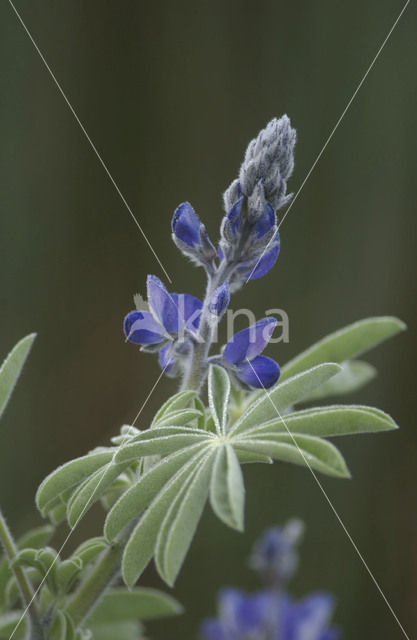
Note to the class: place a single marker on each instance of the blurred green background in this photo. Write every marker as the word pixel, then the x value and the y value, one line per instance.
pixel 171 93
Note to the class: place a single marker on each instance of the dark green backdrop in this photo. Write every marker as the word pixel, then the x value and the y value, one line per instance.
pixel 171 92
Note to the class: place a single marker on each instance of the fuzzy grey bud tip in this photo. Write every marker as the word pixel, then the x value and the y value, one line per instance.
pixel 270 158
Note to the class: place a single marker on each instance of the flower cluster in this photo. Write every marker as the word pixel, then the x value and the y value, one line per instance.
pixel 180 327
pixel 272 614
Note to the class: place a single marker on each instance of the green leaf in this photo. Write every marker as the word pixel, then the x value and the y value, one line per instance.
pixel 34 538
pixel 12 367
pixel 67 572
pixel 8 623
pixel 182 527
pixel 227 491
pixel 69 475
pixel 131 504
pixel 175 403
pixel 88 551
pixel 161 441
pixel 141 603
pixel 283 395
pixel 128 630
pixel 246 457
pixel 141 544
pixel 333 420
pixel 91 490
pixel 312 452
pixel 345 344
pixel 354 375
pixel 218 395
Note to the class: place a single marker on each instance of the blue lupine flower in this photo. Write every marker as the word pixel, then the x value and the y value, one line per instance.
pixel 190 235
pixel 171 319
pixel 241 355
pixel 270 615
pixel 274 554
pixel 219 300
pixel 186 225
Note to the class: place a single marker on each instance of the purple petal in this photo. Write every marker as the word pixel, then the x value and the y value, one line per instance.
pixel 167 361
pixel 248 343
pixel 261 372
pixel 212 629
pixel 266 263
pixel 235 215
pixel 239 613
pixel 188 309
pixel 140 327
pixel 162 305
pixel 312 615
pixel 267 221
pixel 220 299
pixel 186 225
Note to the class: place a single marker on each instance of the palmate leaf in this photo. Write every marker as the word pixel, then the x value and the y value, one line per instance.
pixel 345 344
pixel 12 367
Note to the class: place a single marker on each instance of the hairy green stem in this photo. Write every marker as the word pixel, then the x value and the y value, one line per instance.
pixel 90 591
pixel 25 588
pixel 198 357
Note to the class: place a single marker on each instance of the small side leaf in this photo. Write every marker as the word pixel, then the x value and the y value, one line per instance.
pixel 345 344
pixel 218 395
pixel 12 367
pixel 227 490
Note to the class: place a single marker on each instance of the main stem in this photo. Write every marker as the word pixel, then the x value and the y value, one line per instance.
pixel 25 588
pixel 92 588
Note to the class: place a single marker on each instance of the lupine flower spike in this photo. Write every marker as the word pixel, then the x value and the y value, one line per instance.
pixel 271 613
pixel 181 328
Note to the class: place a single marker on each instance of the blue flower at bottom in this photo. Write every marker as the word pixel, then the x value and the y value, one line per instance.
pixel 241 355
pixel 170 319
pixel 270 615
